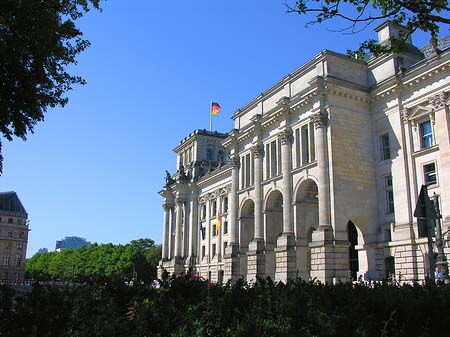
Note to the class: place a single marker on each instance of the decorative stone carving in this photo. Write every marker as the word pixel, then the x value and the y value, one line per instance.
pixel 179 201
pixel 285 136
pixel 235 162
pixel 320 119
pixel 438 100
pixel 257 151
pixel 405 115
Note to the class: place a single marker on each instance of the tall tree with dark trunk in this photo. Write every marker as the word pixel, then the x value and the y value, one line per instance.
pixel 38 41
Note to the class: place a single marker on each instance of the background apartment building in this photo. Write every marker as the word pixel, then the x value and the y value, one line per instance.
pixel 13 238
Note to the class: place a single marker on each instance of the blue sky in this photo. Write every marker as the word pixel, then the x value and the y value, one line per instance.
pixel 94 168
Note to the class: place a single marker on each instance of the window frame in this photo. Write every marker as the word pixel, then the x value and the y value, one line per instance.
pixel 429 135
pixel 425 174
pixel 389 194
pixel 385 147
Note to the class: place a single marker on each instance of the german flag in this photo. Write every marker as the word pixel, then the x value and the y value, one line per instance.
pixel 215 108
pixel 218 224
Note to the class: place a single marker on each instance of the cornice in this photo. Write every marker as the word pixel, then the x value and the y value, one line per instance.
pixel 291 77
pixel 415 77
pixel 215 176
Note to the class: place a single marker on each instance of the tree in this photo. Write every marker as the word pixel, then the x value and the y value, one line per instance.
pixel 423 15
pixel 38 41
pixel 137 259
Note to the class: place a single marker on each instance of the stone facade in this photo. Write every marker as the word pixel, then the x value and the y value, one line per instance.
pixel 319 176
pixel 13 238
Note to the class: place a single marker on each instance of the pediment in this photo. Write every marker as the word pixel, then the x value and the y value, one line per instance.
pixel 419 112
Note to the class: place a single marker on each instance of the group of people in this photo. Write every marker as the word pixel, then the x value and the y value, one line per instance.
pixel 438 275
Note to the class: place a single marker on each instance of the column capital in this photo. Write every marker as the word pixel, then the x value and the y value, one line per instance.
pixel 257 151
pixel 179 201
pixel 235 162
pixel 285 136
pixel 320 119
pixel 438 100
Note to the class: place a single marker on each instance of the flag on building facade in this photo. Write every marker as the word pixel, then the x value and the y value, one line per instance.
pixel 202 231
pixel 215 108
pixel 219 221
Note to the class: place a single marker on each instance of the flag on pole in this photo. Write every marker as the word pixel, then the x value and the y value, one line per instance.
pixel 202 231
pixel 215 108
pixel 219 221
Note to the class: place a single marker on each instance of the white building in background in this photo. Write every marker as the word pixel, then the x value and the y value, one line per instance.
pixel 319 176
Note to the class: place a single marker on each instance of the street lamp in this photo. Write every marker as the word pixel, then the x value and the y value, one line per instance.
pixel 441 260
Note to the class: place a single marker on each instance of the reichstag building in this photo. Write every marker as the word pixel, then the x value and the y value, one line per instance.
pixel 320 175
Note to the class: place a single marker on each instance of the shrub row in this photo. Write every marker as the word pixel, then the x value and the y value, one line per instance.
pixel 191 307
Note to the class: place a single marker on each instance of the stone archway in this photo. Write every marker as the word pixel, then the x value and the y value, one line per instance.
pixel 246 232
pixel 306 221
pixel 273 228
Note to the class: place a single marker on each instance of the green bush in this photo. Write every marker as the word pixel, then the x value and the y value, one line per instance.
pixel 192 307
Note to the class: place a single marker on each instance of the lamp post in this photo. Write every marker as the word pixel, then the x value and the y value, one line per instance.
pixel 441 260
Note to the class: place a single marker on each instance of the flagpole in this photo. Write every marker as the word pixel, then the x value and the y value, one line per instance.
pixel 210 116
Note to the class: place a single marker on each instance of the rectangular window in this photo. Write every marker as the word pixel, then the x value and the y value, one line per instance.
pixel 279 161
pixel 312 146
pixel 247 170
pixel 225 245
pixel 426 134
pixel 225 227
pixel 225 205
pixel 273 159
pixel 214 249
pixel 429 174
pixel 242 172
pixel 297 148
pixel 267 156
pixel 203 212
pixel 18 260
pixel 19 246
pixel 8 245
pixel 10 234
pixel 389 194
pixel 203 252
pixel 10 220
pixel 384 147
pixel 6 260
pixel 213 208
pixel 305 145
pixel 214 229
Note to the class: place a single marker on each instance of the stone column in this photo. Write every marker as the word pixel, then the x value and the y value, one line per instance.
pixel 231 258
pixel 255 254
pixel 193 231
pixel 165 241
pixel 320 120
pixel 285 258
pixel 325 254
pixel 171 230
pixel 178 220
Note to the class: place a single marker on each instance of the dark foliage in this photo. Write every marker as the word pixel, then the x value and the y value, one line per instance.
pixel 38 41
pixel 192 307
pixel 427 16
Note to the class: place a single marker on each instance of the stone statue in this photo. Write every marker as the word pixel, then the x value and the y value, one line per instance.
pixel 169 179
